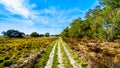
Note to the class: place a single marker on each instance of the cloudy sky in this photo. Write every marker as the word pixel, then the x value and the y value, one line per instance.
pixel 41 15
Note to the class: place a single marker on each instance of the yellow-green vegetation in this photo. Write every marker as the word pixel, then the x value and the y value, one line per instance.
pixel 55 59
pixel 65 59
pixel 101 22
pixel 12 49
pixel 44 57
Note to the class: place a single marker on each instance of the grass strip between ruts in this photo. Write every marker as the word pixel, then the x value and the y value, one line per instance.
pixel 55 59
pixel 44 56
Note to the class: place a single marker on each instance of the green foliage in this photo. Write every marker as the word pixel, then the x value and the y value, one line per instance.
pixel 65 32
pixel 75 29
pixel 102 22
pixel 41 35
pixel 4 33
pixel 44 57
pixel 65 59
pixel 47 34
pixel 34 34
pixel 55 59
pixel 113 3
pixel 13 49
pixel 13 33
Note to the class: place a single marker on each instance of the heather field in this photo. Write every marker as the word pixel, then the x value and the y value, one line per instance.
pixel 22 52
pixel 59 33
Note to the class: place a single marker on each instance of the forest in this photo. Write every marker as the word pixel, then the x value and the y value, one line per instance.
pixel 101 22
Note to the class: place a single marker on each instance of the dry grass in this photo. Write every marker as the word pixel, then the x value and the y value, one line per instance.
pixel 100 54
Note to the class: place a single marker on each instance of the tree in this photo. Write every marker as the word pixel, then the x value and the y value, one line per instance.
pixel 47 34
pixel 41 35
pixel 14 33
pixel 34 34
pixel 4 33
pixel 75 29
pixel 111 13
pixel 65 32
pixel 101 22
pixel 113 3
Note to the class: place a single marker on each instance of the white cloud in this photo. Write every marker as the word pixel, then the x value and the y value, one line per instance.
pixel 22 8
pixel 16 7
pixel 44 16
pixel 53 17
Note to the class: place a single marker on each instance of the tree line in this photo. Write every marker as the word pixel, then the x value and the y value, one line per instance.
pixel 101 22
pixel 11 33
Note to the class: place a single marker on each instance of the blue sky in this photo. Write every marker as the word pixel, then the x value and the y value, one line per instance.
pixel 41 15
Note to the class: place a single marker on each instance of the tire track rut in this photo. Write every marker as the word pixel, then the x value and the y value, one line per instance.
pixel 72 61
pixel 60 65
pixel 50 60
pixel 60 43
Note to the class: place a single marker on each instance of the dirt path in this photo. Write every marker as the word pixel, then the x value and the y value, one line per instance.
pixel 60 65
pixel 50 60
pixel 72 61
pixel 60 56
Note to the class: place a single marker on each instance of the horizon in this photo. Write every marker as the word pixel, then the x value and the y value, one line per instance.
pixel 41 16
